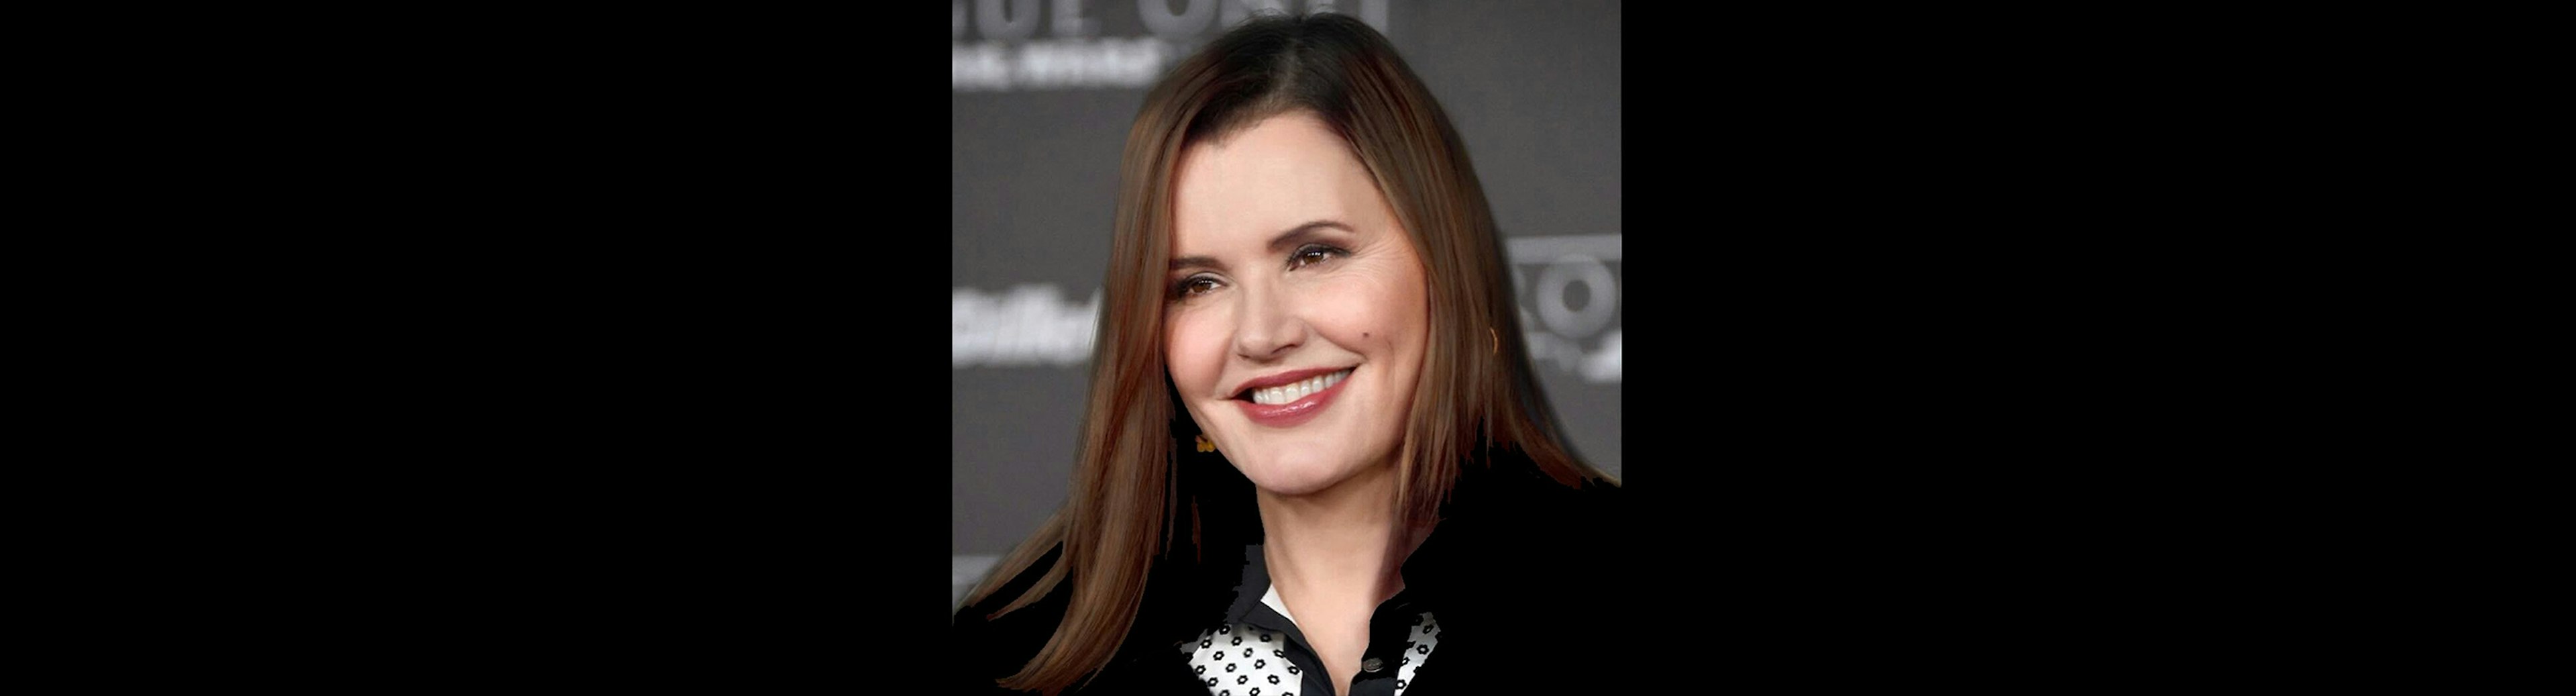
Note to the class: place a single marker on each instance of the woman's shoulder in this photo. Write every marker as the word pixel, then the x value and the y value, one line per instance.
pixel 1538 525
pixel 1517 511
pixel 1521 490
pixel 983 647
pixel 980 610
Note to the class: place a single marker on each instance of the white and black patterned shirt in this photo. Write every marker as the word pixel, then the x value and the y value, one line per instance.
pixel 1259 651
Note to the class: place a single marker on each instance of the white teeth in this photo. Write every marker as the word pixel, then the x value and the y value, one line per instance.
pixel 1291 392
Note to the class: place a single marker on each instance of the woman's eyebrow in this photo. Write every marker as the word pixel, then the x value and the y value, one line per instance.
pixel 1291 238
pixel 1302 233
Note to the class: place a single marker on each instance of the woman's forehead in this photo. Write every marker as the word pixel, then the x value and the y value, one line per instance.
pixel 1281 172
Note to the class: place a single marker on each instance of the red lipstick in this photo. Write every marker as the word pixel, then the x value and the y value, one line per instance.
pixel 1294 413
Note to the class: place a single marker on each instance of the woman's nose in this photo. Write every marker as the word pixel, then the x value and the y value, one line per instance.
pixel 1269 325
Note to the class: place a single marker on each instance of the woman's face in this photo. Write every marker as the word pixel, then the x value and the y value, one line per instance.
pixel 1298 309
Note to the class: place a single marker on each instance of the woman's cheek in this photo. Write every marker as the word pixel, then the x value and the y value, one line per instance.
pixel 1178 355
pixel 1359 317
pixel 1195 353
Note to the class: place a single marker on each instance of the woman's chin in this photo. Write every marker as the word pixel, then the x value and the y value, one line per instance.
pixel 1295 478
pixel 1277 484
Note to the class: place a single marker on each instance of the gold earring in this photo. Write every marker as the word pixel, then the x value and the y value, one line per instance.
pixel 1498 340
pixel 1205 445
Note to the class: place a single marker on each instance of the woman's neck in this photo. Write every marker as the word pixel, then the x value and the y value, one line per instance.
pixel 1337 545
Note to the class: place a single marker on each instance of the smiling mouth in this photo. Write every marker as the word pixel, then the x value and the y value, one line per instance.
pixel 1288 393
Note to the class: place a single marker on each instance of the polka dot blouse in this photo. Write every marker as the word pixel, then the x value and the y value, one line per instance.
pixel 1260 652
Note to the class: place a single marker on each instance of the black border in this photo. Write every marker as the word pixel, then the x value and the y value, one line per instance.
pixel 1966 383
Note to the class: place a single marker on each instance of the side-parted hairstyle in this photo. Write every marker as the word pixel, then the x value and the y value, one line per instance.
pixel 1477 396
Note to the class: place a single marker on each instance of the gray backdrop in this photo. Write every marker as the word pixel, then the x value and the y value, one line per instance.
pixel 1043 91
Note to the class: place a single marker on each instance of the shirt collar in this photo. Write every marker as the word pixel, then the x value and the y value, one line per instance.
pixel 1264 609
pixel 1475 527
pixel 1256 600
pixel 1271 599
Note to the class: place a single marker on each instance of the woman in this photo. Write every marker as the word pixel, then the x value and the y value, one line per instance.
pixel 1315 459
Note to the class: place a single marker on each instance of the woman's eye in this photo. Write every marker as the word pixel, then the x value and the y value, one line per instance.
pixel 1311 255
pixel 1193 287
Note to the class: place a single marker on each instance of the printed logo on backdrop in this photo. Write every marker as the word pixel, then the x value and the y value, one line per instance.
pixel 1569 300
pixel 1024 45
pixel 1570 317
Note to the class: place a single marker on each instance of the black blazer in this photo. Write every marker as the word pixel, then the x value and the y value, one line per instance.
pixel 1538 586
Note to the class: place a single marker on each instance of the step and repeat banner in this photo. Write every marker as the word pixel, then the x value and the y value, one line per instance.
pixel 1042 94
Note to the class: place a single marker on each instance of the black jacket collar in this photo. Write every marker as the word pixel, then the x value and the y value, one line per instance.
pixel 1496 521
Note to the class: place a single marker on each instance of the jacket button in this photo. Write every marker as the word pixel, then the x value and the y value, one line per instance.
pixel 1372 665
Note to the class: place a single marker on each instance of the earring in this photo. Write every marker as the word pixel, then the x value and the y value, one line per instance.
pixel 1498 340
pixel 1205 445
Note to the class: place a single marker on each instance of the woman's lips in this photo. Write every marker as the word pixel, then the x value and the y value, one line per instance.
pixel 1294 413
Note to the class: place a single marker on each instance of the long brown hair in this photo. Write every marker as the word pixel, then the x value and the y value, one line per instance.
pixel 1476 396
